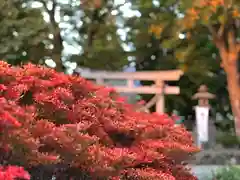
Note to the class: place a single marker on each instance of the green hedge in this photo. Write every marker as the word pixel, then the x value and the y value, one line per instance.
pixel 227 173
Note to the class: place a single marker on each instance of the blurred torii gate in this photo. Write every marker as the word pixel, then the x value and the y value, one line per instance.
pixel 159 88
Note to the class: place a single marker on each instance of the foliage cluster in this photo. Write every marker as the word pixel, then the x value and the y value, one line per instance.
pixel 186 34
pixel 227 173
pixel 228 139
pixel 67 125
pixel 96 32
pixel 13 172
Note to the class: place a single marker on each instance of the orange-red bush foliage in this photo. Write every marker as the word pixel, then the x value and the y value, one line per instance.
pixel 13 172
pixel 53 118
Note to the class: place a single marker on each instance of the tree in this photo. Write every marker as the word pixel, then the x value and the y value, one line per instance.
pixel 64 126
pixel 87 26
pixel 151 52
pixel 98 37
pixel 220 20
pixel 22 33
pixel 50 8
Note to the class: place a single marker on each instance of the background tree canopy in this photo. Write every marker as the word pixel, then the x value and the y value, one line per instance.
pixel 158 45
pixel 110 34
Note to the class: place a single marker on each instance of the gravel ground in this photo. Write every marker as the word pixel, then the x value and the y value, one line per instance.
pixel 204 172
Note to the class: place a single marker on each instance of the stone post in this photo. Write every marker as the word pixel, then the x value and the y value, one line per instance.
pixel 202 114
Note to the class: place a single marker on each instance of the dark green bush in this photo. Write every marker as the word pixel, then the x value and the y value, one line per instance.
pixel 228 139
pixel 227 173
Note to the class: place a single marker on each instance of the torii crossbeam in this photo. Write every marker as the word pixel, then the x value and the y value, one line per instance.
pixel 159 77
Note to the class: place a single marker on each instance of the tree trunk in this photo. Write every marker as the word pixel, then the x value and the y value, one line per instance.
pixel 56 57
pixel 229 52
pixel 57 51
pixel 233 90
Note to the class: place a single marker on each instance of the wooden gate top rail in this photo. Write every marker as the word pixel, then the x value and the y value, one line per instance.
pixel 148 89
pixel 169 75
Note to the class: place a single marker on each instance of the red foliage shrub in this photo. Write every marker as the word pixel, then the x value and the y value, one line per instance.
pixel 13 172
pixel 51 118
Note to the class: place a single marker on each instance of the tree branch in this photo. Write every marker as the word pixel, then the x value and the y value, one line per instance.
pixel 214 34
pixel 233 48
pixel 44 3
pixel 222 27
pixel 218 40
pixel 231 42
pixel 238 47
pixel 51 12
pixel 212 30
pixel 221 30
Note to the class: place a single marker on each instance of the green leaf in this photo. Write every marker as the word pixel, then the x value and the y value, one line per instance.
pixel 185 4
pixel 167 2
pixel 170 43
pixel 222 19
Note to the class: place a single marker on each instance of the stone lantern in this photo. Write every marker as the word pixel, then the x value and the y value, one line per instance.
pixel 203 96
pixel 202 114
